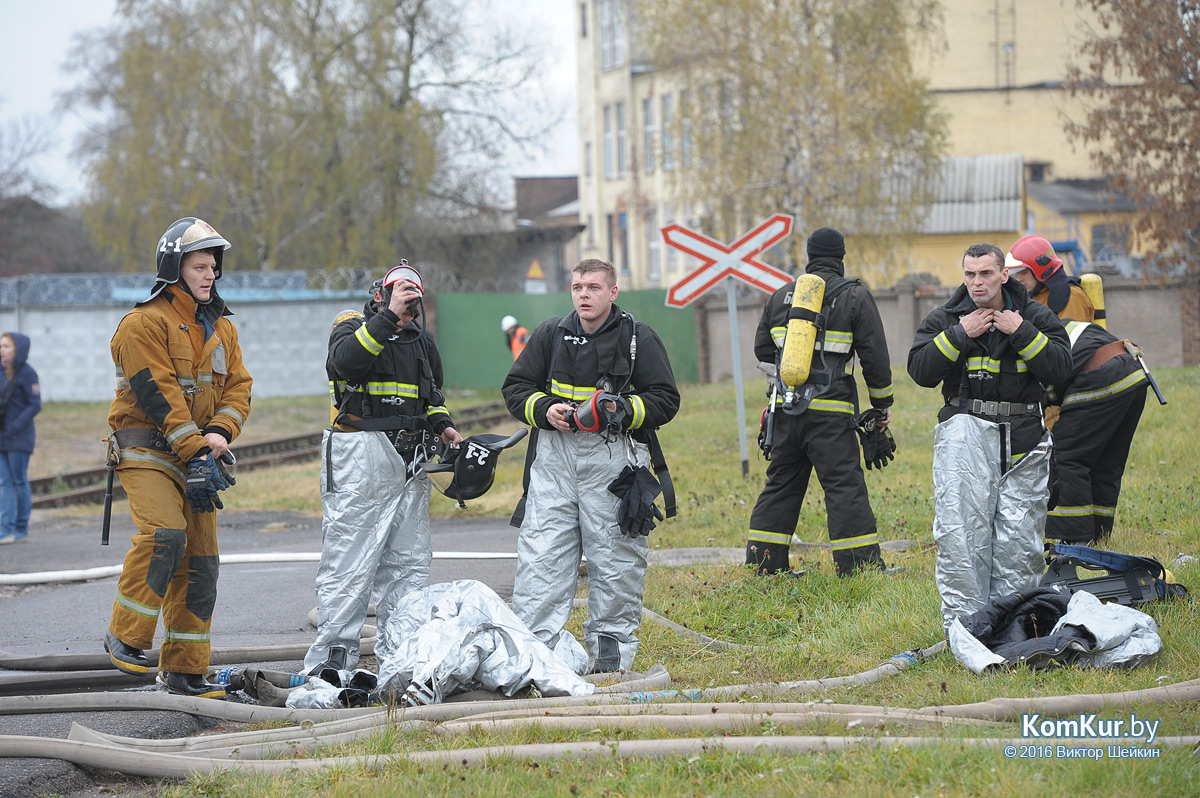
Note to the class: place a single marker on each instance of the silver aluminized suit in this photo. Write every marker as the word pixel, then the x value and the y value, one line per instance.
pixel 991 456
pixel 569 510
pixel 375 503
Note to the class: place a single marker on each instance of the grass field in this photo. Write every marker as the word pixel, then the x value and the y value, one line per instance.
pixel 815 627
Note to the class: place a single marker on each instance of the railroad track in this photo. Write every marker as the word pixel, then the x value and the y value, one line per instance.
pixel 87 485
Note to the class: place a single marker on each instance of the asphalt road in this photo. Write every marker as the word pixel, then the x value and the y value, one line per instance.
pixel 258 604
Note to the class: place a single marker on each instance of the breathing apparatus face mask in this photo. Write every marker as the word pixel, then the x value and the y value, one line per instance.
pixel 602 412
pixel 383 288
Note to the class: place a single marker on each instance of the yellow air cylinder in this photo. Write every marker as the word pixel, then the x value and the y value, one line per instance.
pixel 796 358
pixel 1093 286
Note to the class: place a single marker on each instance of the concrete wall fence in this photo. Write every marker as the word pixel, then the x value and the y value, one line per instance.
pixel 285 331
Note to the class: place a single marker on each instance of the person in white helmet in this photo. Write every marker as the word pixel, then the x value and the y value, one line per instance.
pixel 515 336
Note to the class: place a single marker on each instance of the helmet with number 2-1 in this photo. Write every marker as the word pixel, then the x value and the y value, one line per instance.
pixel 468 470
pixel 185 235
pixel 1036 254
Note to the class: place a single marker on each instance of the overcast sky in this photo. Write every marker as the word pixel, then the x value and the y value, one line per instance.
pixel 36 34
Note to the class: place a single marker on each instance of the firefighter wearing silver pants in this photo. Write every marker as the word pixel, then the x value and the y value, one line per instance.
pixel 570 513
pixel 376 540
pixel 989 512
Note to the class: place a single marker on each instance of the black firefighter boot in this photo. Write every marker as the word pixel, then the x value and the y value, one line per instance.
pixel 125 658
pixel 190 684
pixel 608 655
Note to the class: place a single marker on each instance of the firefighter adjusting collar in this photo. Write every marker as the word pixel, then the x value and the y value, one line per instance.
pixel 185 235
pixel 1036 254
pixel 468 470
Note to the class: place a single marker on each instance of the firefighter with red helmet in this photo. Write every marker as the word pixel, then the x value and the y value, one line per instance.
pixel 1033 262
pixel 1100 404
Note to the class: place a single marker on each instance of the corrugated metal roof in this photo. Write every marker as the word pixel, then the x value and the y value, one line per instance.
pixel 978 194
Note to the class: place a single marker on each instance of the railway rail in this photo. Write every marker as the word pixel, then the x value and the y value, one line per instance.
pixel 87 485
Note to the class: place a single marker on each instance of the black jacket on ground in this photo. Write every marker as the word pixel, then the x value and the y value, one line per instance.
pixel 994 366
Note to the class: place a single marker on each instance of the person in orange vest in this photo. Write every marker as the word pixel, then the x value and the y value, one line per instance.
pixel 515 335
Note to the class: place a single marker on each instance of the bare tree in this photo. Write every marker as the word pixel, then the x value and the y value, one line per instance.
pixel 318 131
pixel 1138 72
pixel 811 107
pixel 22 142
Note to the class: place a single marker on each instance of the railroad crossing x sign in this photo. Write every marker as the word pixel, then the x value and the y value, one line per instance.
pixel 739 260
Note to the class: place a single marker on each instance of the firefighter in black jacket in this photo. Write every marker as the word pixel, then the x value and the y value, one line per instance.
pixel 1102 404
pixel 822 435
pixel 569 510
pixel 389 416
pixel 992 349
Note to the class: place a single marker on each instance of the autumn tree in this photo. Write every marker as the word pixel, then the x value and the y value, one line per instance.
pixel 810 107
pixel 312 133
pixel 1138 71
pixel 22 141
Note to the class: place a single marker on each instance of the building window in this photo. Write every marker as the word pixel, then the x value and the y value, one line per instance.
pixel 583 20
pixel 622 142
pixel 653 249
pixel 591 228
pixel 648 133
pixel 587 159
pixel 685 133
pixel 668 138
pixel 612 35
pixel 608 142
pixel 610 235
pixel 623 242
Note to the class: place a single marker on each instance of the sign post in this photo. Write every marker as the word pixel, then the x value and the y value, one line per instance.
pixel 740 261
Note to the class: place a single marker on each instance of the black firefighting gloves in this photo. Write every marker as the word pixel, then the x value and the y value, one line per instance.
pixel 206 476
pixel 637 489
pixel 878 445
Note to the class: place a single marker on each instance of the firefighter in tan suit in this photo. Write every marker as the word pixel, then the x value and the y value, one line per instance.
pixel 182 396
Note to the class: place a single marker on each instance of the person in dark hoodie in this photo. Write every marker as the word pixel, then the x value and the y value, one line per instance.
pixel 820 434
pixel 993 350
pixel 20 401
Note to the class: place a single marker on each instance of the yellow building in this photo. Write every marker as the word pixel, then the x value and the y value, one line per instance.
pixel 998 72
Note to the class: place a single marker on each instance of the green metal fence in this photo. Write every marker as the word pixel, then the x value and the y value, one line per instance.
pixel 475 355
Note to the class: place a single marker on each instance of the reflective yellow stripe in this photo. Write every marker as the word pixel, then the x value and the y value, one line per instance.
pixel 368 343
pixel 948 349
pixel 837 341
pixel 131 455
pixel 880 393
pixel 832 406
pixel 1036 345
pixel 229 411
pixel 571 392
pixel 185 636
pixel 1084 510
pixel 433 411
pixel 1072 512
pixel 763 536
pixel 136 607
pixel 778 334
pixel 182 431
pixel 529 403
pixel 639 411
pixel 1130 381
pixel 406 389
pixel 854 543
